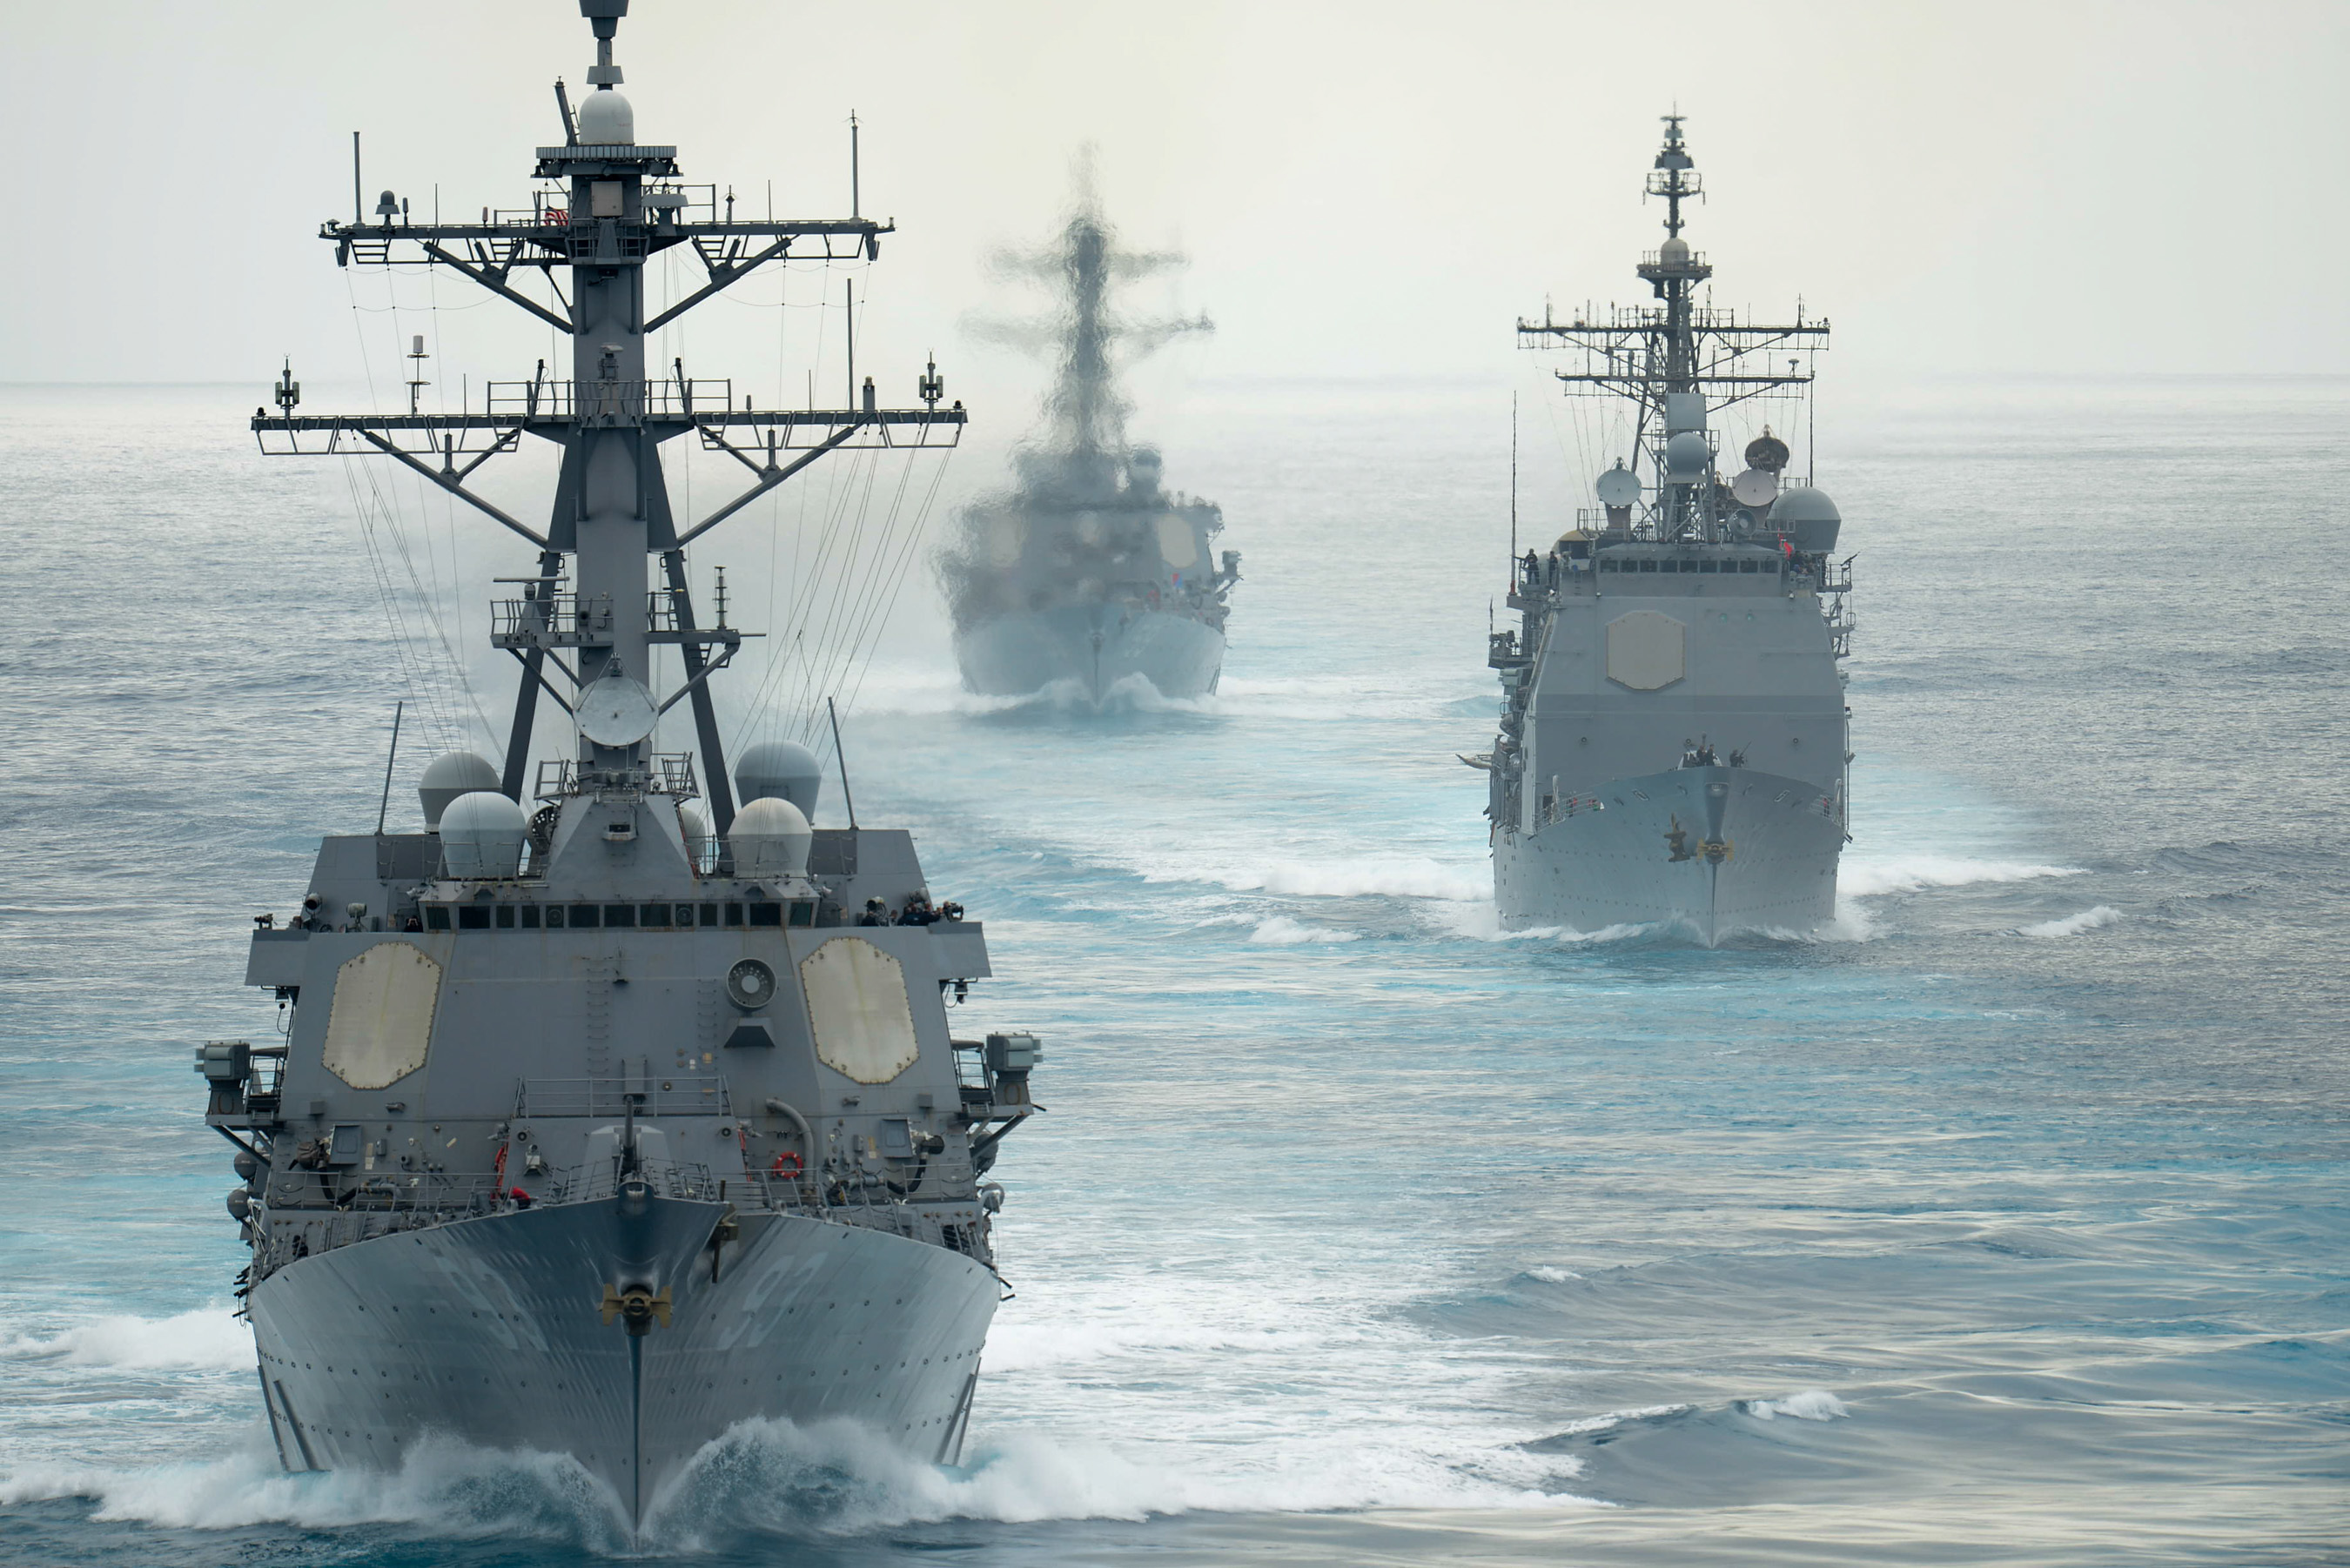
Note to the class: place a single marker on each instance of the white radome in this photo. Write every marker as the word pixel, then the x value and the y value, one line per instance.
pixel 481 836
pixel 607 120
pixel 770 838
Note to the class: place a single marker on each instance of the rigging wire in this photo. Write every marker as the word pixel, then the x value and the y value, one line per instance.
pixel 429 680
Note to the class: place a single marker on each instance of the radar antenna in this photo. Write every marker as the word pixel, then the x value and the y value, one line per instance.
pixel 591 614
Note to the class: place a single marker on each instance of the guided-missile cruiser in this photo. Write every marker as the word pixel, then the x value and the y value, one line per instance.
pixel 606 1112
pixel 1673 739
pixel 1088 571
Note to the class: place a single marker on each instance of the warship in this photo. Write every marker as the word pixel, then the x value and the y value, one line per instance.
pixel 594 1124
pixel 1088 571
pixel 1672 745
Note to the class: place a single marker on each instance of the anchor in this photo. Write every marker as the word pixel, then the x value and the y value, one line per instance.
pixel 639 1306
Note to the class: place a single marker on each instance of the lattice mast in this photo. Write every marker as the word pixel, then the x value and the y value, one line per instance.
pixel 593 614
pixel 1680 361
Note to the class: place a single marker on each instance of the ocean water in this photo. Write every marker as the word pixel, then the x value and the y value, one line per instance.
pixel 2004 1222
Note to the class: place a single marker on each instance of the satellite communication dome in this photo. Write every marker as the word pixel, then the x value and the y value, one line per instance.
pixel 447 777
pixel 1687 458
pixel 780 770
pixel 615 710
pixel 482 834
pixel 1619 486
pixel 605 119
pixel 770 838
pixel 1767 452
pixel 1756 487
pixel 1674 252
pixel 1809 517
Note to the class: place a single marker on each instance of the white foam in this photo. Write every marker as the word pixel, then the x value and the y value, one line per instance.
pixel 1479 921
pixel 1552 1276
pixel 449 1487
pixel 1865 878
pixel 1615 1418
pixel 1809 1405
pixel 1355 877
pixel 207 1339
pixel 2072 925
pixel 833 1477
pixel 1281 931
pixel 840 1478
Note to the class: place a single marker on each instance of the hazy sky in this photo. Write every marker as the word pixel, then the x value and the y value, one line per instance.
pixel 1364 189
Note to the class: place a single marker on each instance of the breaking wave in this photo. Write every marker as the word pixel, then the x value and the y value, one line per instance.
pixel 1810 1405
pixel 1281 931
pixel 2087 919
pixel 1395 879
pixel 444 1487
pixel 208 1339
pixel 762 1478
pixel 1861 879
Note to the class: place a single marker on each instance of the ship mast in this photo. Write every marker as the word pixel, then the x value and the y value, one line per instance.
pixel 1678 361
pixel 1084 266
pixel 622 202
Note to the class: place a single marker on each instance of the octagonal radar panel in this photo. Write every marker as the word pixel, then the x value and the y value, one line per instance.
pixel 1619 486
pixel 616 711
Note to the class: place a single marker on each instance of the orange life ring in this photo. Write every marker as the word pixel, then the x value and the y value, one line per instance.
pixel 786 1164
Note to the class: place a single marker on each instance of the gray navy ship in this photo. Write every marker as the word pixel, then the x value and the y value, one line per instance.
pixel 1088 571
pixel 1672 747
pixel 597 1125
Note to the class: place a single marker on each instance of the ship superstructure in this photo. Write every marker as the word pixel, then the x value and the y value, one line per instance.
pixel 1088 571
pixel 1672 744
pixel 597 1125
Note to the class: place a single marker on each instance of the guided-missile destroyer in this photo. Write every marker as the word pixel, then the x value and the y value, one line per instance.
pixel 1672 743
pixel 1089 573
pixel 596 1126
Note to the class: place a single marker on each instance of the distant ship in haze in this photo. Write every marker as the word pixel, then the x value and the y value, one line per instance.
pixel 1088 571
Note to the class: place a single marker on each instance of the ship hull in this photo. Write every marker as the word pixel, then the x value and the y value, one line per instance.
pixel 1095 646
pixel 494 1331
pixel 1609 860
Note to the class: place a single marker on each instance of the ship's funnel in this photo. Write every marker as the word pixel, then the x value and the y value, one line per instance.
pixel 447 777
pixel 780 770
pixel 482 834
pixel 770 838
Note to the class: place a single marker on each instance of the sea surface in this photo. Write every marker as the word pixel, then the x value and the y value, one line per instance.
pixel 2004 1222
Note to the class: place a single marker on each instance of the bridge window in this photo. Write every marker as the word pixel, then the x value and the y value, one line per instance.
pixel 583 915
pixel 734 914
pixel 473 918
pixel 530 916
pixel 620 915
pixel 657 915
pixel 505 917
pixel 766 914
pixel 436 917
pixel 709 914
